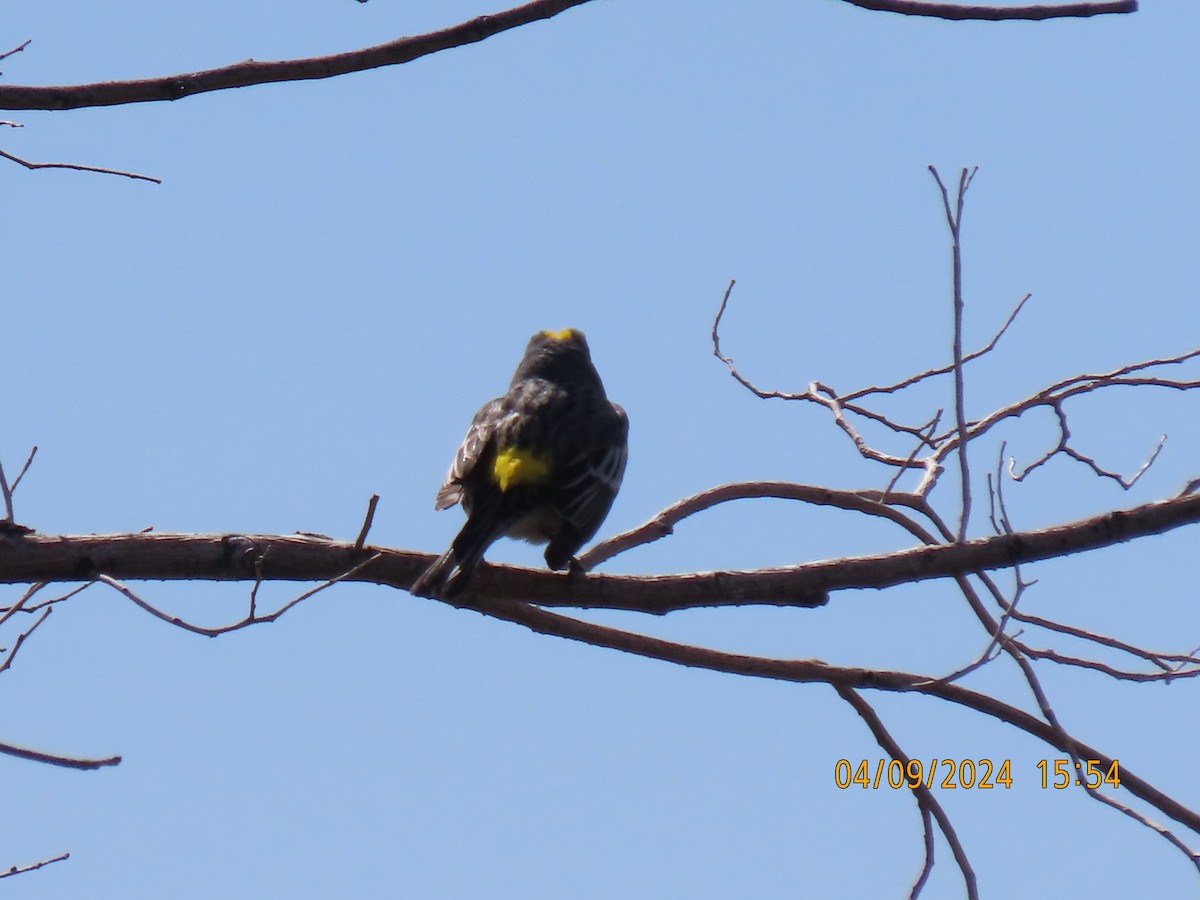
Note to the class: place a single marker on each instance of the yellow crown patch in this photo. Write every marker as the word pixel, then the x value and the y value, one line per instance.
pixel 565 335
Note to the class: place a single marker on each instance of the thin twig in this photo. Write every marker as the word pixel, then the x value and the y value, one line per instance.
pixel 7 53
pixel 875 503
pixel 12 653
pixel 8 523
pixel 927 867
pixel 1064 447
pixel 836 404
pixel 1003 525
pixel 259 562
pixel 1065 741
pixel 1125 483
pixel 1071 746
pixel 1073 387
pixel 251 619
pixel 958 12
pixel 900 470
pixel 6 494
pixel 1112 672
pixel 11 611
pixel 954 221
pixel 78 168
pixel 1161 660
pixel 827 397
pixel 349 573
pixel 17 870
pixel 25 468
pixel 366 525
pixel 1161 830
pixel 1158 659
pixel 67 762
pixel 59 599
pixel 944 370
pixel 923 795
pixel 733 370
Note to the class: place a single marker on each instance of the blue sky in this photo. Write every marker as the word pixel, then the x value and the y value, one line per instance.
pixel 333 276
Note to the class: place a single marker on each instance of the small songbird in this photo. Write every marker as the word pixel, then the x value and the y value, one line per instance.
pixel 542 463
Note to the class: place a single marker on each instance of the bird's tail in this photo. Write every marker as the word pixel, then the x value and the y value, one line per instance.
pixel 433 580
pixel 450 573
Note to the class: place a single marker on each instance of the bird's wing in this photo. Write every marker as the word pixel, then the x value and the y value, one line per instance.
pixel 587 485
pixel 483 426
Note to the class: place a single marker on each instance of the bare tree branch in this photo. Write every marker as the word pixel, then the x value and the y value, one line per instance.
pixel 7 53
pixel 958 12
pixel 67 762
pixel 944 370
pixel 252 619
pixel 954 222
pixel 367 520
pixel 544 621
pixel 942 445
pixel 927 866
pixel 1171 674
pixel 6 490
pixel 955 440
pixel 32 867
pixel 1161 660
pixel 1071 746
pixel 406 49
pixel 924 796
pixel 41 604
pixel 1078 385
pixel 1064 447
pixel 77 168
pixel 21 638
pixel 663 524
pixel 176 87
pixel 297 558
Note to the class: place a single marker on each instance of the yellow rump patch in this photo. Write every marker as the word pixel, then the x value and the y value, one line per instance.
pixel 515 466
pixel 565 335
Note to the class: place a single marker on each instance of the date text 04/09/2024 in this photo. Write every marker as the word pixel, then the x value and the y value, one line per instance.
pixel 972 774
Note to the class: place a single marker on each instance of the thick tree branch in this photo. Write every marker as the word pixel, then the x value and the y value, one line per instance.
pixel 250 72
pixel 812 670
pixel 406 49
pixel 996 13
pixel 151 556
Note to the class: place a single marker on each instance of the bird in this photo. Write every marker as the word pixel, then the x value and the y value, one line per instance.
pixel 542 463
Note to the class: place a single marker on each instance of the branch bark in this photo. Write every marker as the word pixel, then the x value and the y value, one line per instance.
pixel 168 557
pixel 803 671
pixel 250 72
pixel 406 49
pixel 68 762
pixel 958 12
